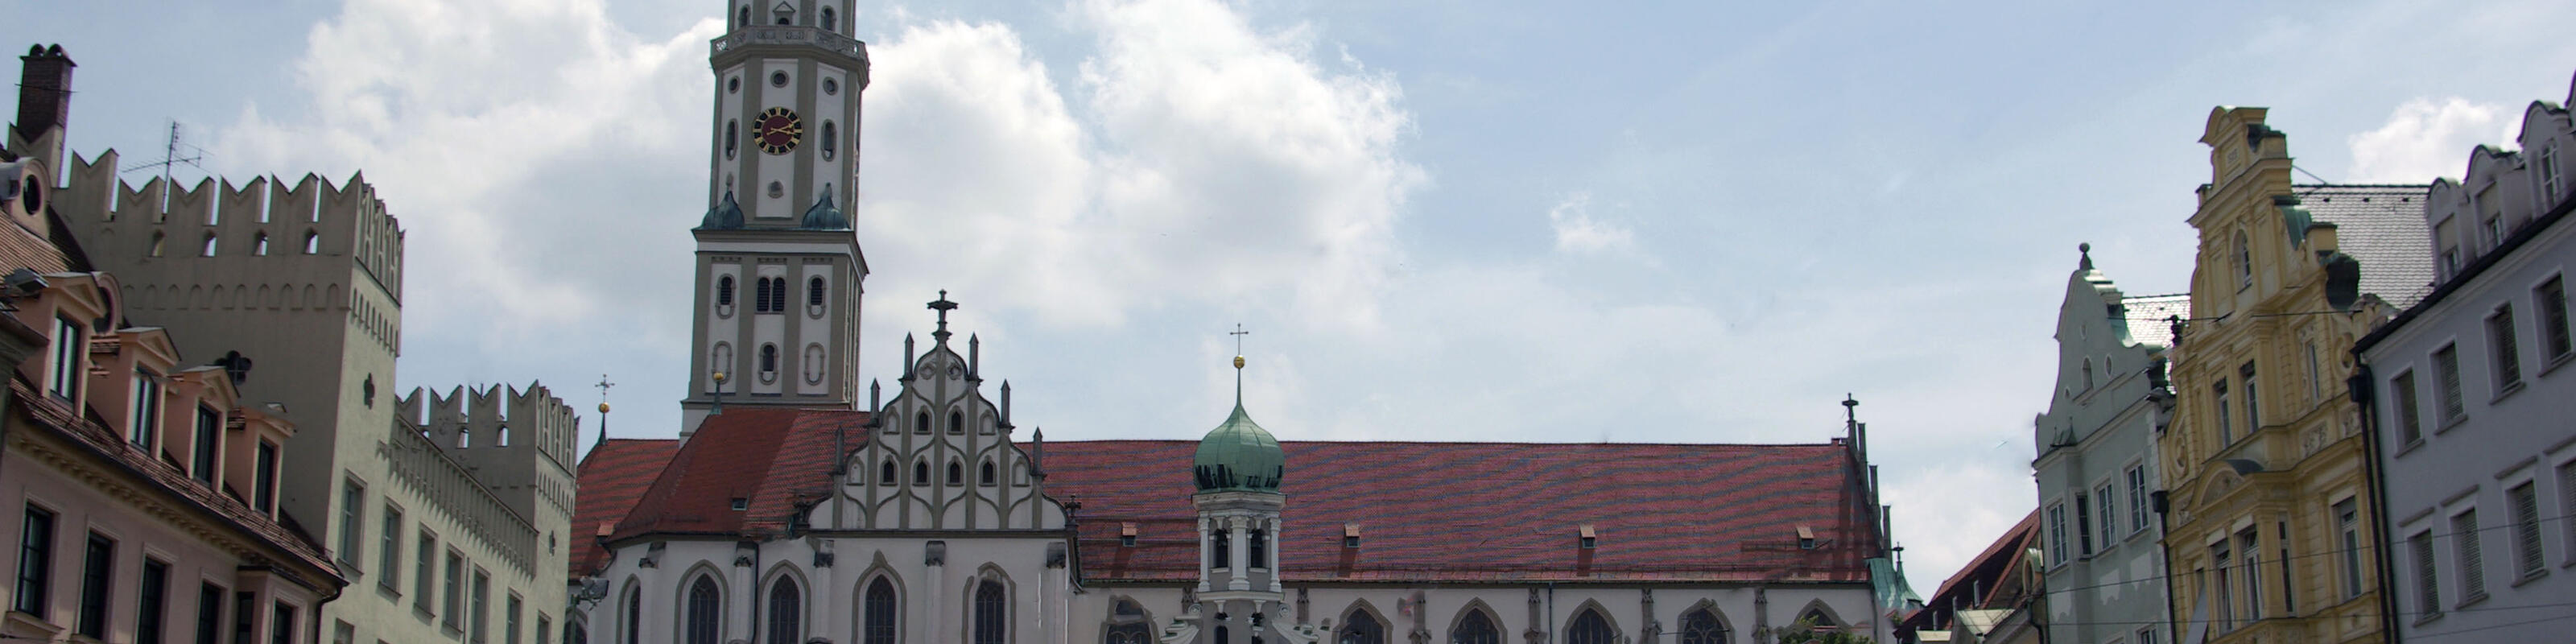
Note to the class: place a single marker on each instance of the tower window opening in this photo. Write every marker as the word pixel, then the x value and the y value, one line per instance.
pixel 312 242
pixel 768 359
pixel 814 292
pixel 830 21
pixel 831 140
pixel 733 136
pixel 209 249
pixel 157 242
pixel 742 18
pixel 724 291
pixel 259 245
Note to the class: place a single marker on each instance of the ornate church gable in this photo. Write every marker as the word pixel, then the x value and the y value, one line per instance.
pixel 941 456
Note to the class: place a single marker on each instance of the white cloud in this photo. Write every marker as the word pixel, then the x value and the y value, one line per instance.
pixel 2426 138
pixel 1199 160
pixel 1578 232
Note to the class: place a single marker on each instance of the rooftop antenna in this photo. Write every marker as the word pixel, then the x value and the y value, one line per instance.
pixel 171 149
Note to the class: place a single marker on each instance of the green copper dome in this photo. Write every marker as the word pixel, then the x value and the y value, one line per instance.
pixel 1238 455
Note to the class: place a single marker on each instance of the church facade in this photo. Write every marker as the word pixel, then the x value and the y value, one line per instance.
pixel 789 511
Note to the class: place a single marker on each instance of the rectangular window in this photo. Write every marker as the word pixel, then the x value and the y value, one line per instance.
pixel 2147 635
pixel 2472 563
pixel 482 611
pixel 451 609
pixel 2549 186
pixel 510 620
pixel 152 602
pixel 2138 498
pixel 2110 514
pixel 353 509
pixel 2446 367
pixel 2226 418
pixel 2348 529
pixel 210 614
pixel 2253 400
pixel 245 616
pixel 2289 587
pixel 2410 417
pixel 281 624
pixel 425 576
pixel 546 629
pixel 264 478
pixel 64 379
pixel 2247 543
pixel 207 445
pixel 2428 580
pixel 2567 498
pixel 2225 602
pixel 389 559
pixel 2507 354
pixel 146 421
pixel 35 562
pixel 2525 505
pixel 343 632
pixel 2084 524
pixel 2057 552
pixel 98 570
pixel 2552 299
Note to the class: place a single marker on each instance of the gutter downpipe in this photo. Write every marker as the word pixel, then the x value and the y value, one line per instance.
pixel 2360 387
pixel 1551 610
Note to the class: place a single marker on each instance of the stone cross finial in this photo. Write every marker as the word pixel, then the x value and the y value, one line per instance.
pixel 943 306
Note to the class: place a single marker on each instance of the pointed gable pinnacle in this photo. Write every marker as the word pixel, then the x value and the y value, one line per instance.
pixel 2086 251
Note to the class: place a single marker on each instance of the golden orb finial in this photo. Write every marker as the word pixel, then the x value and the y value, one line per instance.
pixel 1238 362
pixel 603 408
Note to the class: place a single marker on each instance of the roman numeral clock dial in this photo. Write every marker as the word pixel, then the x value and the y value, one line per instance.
pixel 778 130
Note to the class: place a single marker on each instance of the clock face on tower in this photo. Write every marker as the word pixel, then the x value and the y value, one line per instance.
pixel 778 130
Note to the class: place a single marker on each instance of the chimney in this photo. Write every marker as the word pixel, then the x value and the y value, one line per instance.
pixel 44 91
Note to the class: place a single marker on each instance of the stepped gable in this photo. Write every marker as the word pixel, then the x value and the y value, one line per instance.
pixel 774 459
pixel 1505 512
pixel 613 477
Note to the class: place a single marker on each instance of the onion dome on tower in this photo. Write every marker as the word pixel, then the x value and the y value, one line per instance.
pixel 1238 455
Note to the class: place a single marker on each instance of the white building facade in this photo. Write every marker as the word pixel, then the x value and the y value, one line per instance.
pixel 2097 468
pixel 2470 394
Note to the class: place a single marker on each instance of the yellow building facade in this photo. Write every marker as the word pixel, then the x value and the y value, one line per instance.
pixel 2271 512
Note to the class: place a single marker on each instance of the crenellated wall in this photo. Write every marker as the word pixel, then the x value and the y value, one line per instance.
pixel 518 443
pixel 217 225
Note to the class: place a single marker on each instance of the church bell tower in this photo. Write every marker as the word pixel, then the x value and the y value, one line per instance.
pixel 779 272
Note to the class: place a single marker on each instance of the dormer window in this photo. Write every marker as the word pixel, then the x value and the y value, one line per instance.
pixel 1587 538
pixel 1806 538
pixel 1350 535
pixel 264 478
pixel 146 421
pixel 207 441
pixel 65 379
pixel 1126 537
pixel 740 504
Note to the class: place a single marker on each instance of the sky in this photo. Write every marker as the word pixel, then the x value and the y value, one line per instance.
pixel 1440 220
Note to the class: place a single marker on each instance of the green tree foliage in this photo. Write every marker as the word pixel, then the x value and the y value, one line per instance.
pixel 1804 632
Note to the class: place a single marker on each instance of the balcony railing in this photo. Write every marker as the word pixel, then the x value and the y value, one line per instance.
pixel 790 35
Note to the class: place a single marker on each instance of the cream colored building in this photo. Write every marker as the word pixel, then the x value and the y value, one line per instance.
pixel 2271 519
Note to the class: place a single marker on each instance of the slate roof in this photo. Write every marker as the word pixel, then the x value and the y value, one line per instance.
pixel 2383 226
pixel 613 476
pixel 2147 313
pixel 1489 511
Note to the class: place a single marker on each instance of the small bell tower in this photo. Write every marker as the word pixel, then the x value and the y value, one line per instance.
pixel 1237 468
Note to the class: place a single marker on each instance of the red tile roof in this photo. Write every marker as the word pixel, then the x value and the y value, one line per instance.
pixel 773 459
pixel 1426 511
pixel 1490 511
pixel 613 475
pixel 1979 576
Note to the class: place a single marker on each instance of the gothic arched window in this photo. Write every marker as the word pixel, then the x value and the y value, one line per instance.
pixel 991 613
pixel 1701 627
pixel 633 612
pixel 885 473
pixel 786 613
pixel 1476 628
pixel 956 473
pixel 921 422
pixel 878 624
pixel 706 607
pixel 920 472
pixel 1590 628
pixel 984 474
pixel 724 291
pixel 1362 628
pixel 1128 624
pixel 956 423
